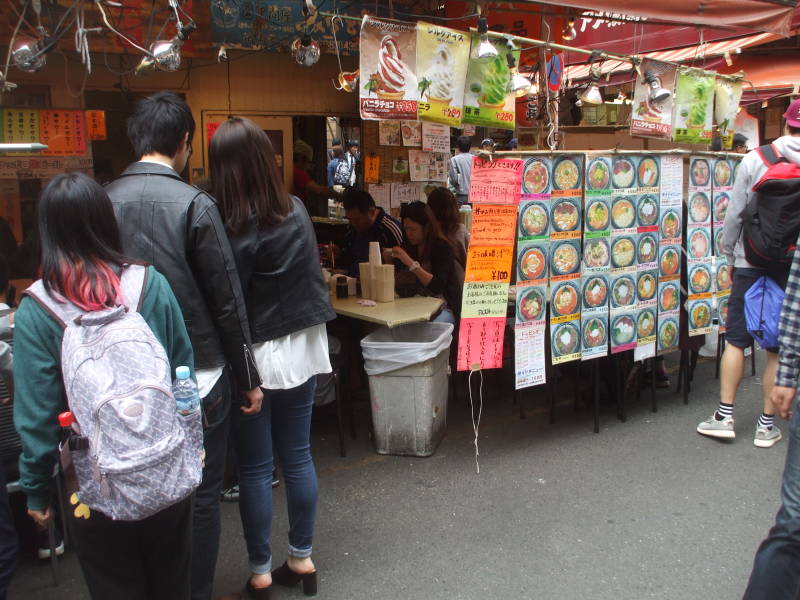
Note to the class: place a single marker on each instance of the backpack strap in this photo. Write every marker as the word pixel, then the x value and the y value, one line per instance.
pixel 770 155
pixel 58 307
pixel 133 282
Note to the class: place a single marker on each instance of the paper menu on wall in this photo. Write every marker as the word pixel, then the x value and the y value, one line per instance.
pixel 493 225
pixel 480 343
pixel 403 193
pixel 382 194
pixel 699 243
pixel 389 133
pixel 412 133
pixel 427 166
pixel 442 56
pixel 435 137
pixel 64 132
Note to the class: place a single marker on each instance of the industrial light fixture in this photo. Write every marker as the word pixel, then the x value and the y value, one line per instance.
pixel 517 85
pixel 568 33
pixel 486 49
pixel 165 55
pixel 28 55
pixel 592 95
pixel 306 51
pixel 657 93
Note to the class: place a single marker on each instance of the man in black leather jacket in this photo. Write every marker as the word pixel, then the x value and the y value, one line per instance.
pixel 178 229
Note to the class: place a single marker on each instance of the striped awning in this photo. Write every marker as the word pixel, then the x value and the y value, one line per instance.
pixel 694 54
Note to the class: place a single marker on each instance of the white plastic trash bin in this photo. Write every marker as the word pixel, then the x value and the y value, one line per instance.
pixel 407 368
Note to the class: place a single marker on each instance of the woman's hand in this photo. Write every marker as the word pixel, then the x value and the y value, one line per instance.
pixel 40 517
pixel 402 256
pixel 252 401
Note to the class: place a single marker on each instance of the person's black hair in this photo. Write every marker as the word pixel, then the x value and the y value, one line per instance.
pixel 336 142
pixel 352 144
pixel 739 140
pixel 159 124
pixel 463 143
pixel 421 213
pixel 357 200
pixel 793 130
pixel 5 276
pixel 80 241
pixel 338 153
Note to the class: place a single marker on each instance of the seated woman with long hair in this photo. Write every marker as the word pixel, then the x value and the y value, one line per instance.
pixel 445 208
pixel 276 254
pixel 430 258
pixel 82 264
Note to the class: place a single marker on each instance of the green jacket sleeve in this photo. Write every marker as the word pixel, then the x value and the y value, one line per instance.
pixel 38 398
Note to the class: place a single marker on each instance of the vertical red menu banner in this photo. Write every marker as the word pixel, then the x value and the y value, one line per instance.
pixel 495 192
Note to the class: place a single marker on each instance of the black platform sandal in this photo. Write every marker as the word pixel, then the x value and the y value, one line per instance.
pixel 284 576
pixel 254 593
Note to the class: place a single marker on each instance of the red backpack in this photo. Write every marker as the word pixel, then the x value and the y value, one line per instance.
pixel 771 220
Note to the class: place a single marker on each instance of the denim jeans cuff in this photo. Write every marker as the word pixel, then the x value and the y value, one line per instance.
pixel 299 552
pixel 261 569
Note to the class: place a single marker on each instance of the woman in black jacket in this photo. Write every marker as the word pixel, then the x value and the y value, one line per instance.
pixel 276 255
pixel 429 256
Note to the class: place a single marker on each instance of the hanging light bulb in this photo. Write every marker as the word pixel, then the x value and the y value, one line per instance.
pixel 568 33
pixel 306 51
pixel 517 85
pixel 621 97
pixel 348 81
pixel 486 49
pixel 657 93
pixel 592 95
pixel 27 54
pixel 165 55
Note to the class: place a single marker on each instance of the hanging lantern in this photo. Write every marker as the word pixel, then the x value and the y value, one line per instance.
pixel 27 54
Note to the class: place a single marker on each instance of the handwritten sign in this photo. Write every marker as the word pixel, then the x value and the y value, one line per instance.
pixel 96 124
pixel 489 263
pixel 480 343
pixel 435 137
pixel 495 182
pixel 402 193
pixel 64 132
pixel 372 169
pixel 382 194
pixel 493 224
pixel 484 299
pixel 20 126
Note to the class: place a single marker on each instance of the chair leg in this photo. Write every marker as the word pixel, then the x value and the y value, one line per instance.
pixel 51 540
pixel 597 395
pixel 63 505
pixel 720 348
pixel 339 420
pixel 753 359
pixel 653 401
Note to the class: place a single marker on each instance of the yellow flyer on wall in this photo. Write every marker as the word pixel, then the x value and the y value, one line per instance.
pixel 442 58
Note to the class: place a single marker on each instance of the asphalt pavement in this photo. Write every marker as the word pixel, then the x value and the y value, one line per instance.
pixel 644 509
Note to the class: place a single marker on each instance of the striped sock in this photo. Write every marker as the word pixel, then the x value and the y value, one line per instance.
pixel 724 411
pixel 766 420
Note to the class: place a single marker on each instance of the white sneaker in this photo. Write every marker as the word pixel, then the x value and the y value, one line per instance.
pixel 718 429
pixel 766 438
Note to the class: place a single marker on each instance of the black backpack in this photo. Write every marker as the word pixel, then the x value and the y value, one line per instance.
pixel 771 220
pixel 341 175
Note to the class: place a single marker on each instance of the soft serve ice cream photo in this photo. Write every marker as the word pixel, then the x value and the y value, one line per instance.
pixel 389 88
pixel 442 56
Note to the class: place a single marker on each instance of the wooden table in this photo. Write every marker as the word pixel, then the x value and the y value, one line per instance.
pixel 391 314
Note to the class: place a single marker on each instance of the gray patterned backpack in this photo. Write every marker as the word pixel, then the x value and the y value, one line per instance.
pixel 143 456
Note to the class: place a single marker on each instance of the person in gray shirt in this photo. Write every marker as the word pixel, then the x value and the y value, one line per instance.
pixel 460 170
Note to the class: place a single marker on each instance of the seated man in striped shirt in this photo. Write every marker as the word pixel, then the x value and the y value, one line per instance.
pixel 368 223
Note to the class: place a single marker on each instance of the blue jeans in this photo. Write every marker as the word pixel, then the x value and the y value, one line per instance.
pixel 206 517
pixel 776 569
pixel 285 421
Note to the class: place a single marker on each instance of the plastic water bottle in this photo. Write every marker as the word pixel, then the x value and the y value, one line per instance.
pixel 187 399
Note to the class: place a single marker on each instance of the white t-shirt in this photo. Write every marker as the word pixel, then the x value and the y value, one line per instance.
pixel 293 359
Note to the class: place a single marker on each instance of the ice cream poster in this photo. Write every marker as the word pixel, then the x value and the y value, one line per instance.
pixel 652 100
pixel 442 57
pixel 693 113
pixel 389 86
pixel 486 98
pixel 727 94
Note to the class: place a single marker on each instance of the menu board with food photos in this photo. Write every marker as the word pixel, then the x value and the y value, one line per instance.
pixel 669 253
pixel 533 244
pixel 624 243
pixel 699 245
pixel 565 257
pixel 722 189
pixel 648 171
pixel 596 257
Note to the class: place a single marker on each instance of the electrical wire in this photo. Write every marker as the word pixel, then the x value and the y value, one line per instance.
pixel 99 4
pixel 476 423
pixel 4 74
